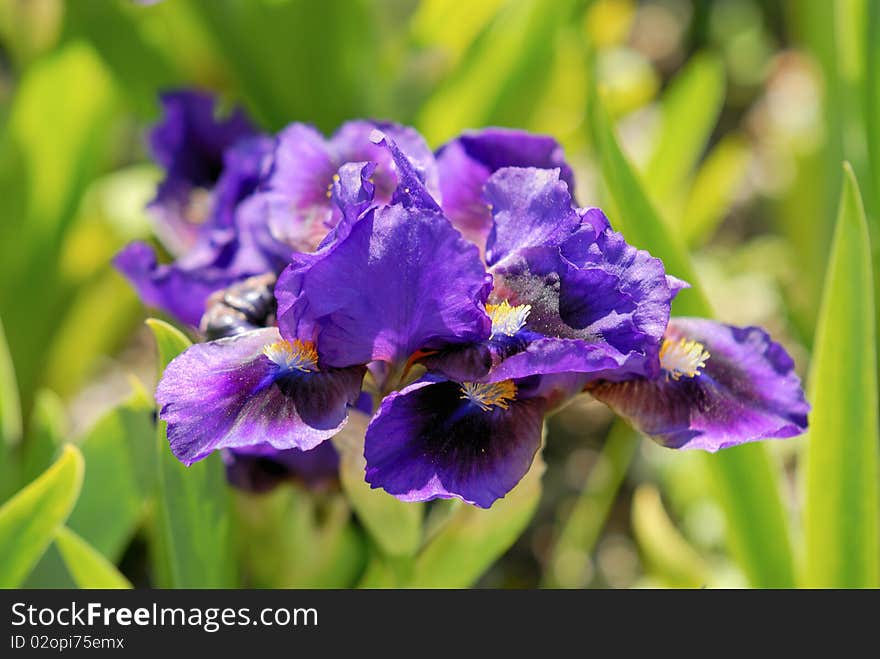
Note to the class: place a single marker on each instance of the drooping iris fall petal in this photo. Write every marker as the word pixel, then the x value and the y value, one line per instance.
pixel 718 386
pixel 251 389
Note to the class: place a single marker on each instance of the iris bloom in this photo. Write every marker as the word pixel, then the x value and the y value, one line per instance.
pixel 466 345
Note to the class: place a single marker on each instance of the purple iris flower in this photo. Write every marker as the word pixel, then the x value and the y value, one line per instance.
pixel 715 386
pixel 550 301
pixel 261 468
pixel 211 166
pixel 569 294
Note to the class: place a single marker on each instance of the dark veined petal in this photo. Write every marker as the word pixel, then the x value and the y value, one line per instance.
pixel 530 208
pixel 430 441
pixel 745 391
pixel 262 467
pixel 229 393
pixel 402 280
pixel 467 162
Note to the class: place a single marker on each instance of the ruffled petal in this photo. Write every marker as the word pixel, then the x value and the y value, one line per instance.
pixel 228 394
pixel 530 208
pixel 746 391
pixel 190 140
pixel 381 294
pixel 428 442
pixel 614 294
pixel 467 162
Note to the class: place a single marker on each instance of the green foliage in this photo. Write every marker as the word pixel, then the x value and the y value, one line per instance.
pixel 82 79
pixel 120 458
pixel 395 526
pixel 195 546
pixel 668 553
pixel 690 109
pixel 841 514
pixel 472 538
pixel 87 566
pixel 30 519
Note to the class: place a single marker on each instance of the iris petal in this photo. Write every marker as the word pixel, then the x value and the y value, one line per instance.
pixel 228 394
pixel 390 295
pixel 467 162
pixel 428 442
pixel 747 391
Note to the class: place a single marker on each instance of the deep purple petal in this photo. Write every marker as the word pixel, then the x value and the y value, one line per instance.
pixel 428 442
pixel 467 162
pixel 228 394
pixel 410 190
pixel 190 140
pixel 747 391
pixel 353 143
pixel 401 281
pixel 243 165
pixel 530 208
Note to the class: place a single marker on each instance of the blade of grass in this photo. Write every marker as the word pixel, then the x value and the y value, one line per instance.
pixel 841 512
pixel 29 520
pixel 690 109
pixel 485 88
pixel 714 187
pixel 86 565
pixel 473 538
pixel 194 526
pixel 663 547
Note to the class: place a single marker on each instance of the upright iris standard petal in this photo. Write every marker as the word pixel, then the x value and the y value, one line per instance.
pixel 718 386
pixel 445 439
pixel 466 163
pixel 529 207
pixel 262 467
pixel 295 200
pixel 402 280
pixel 251 389
pixel 190 143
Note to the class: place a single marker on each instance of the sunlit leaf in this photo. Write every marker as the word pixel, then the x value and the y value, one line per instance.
pixel 303 66
pixel 671 557
pixel 395 526
pixel 517 47
pixel 10 406
pixel 291 538
pixel 570 558
pixel 841 514
pixel 473 538
pixel 30 519
pixel 46 432
pixel 714 188
pixel 194 531
pixel 690 109
pixel 120 458
pixel 87 566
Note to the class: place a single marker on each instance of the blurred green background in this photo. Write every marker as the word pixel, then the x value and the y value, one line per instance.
pixel 736 116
